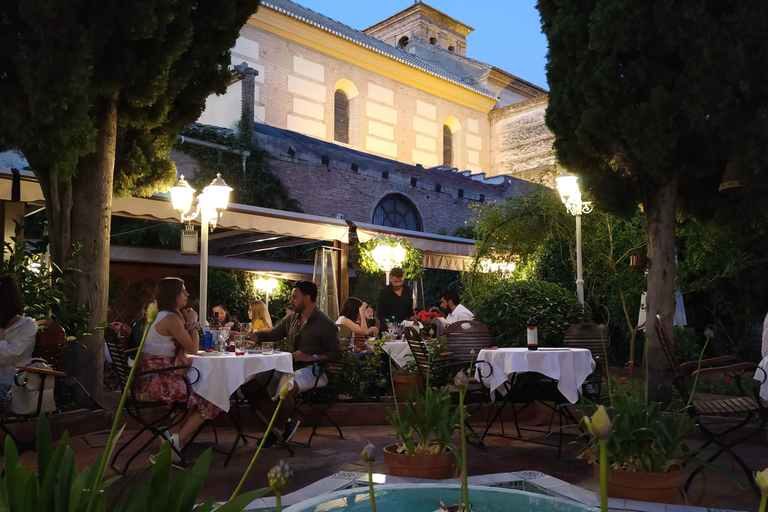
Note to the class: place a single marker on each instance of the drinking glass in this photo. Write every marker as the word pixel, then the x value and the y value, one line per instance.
pixel 240 344
pixel 392 328
pixel 247 328
pixel 267 348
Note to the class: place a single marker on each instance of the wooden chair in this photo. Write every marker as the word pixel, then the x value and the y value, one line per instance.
pixel 320 400
pixel 50 342
pixel 463 337
pixel 154 417
pixel 596 339
pixel 746 409
pixel 123 331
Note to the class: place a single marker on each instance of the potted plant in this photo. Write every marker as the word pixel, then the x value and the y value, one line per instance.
pixel 406 376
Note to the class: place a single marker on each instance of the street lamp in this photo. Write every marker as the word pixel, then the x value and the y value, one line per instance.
pixel 266 285
pixel 568 186
pixel 388 257
pixel 210 205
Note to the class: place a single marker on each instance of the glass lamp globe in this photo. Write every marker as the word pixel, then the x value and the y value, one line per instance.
pixel 218 193
pixel 181 195
pixel 398 255
pixel 382 255
pixel 568 186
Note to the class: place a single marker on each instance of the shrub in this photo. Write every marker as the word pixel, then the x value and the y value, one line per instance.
pixel 506 309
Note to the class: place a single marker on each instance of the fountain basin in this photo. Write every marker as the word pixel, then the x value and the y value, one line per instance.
pixel 425 497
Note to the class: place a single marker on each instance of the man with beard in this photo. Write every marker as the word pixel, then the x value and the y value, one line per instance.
pixel 395 301
pixel 312 337
pixel 453 309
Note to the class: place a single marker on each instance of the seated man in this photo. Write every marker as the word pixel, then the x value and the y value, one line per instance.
pixel 450 304
pixel 312 337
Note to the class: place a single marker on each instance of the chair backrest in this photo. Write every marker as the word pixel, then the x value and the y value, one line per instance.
pixel 50 342
pixel 119 357
pixel 669 352
pixel 464 336
pixel 345 334
pixel 429 367
pixel 590 336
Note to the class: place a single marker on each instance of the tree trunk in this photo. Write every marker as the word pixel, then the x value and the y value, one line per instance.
pixel 660 210
pixel 79 212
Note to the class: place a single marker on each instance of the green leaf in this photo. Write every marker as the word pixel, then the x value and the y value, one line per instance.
pixel 240 502
pixel 195 481
pixel 159 480
pixel 44 444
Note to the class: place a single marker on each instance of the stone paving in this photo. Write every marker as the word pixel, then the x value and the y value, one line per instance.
pixel 331 455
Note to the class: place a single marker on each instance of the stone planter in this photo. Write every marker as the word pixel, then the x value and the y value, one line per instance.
pixel 635 485
pixel 437 466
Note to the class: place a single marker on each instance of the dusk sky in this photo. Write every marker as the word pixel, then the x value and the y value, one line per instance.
pixel 507 32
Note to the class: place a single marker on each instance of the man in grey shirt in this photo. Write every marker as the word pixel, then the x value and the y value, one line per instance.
pixel 312 337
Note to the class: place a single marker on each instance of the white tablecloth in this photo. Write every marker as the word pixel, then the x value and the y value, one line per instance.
pixel 399 351
pixel 221 375
pixel 569 366
pixel 760 376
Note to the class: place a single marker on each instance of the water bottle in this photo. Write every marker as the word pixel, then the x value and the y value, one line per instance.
pixel 207 339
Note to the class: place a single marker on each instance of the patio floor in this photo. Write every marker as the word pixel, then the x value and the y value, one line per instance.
pixel 330 455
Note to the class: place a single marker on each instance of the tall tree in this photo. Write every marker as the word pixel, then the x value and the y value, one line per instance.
pixel 94 93
pixel 649 102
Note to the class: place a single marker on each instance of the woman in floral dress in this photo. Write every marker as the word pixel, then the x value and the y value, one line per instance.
pixel 170 337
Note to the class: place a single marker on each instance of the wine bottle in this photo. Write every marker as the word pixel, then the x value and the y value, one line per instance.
pixel 533 334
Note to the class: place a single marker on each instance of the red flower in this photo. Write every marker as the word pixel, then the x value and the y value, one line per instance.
pixel 727 381
pixel 623 379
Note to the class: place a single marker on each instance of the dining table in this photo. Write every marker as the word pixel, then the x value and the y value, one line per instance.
pixel 399 351
pixel 222 373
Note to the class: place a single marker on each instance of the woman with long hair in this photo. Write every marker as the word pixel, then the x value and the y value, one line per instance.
pixel 259 316
pixel 17 336
pixel 172 335
pixel 352 315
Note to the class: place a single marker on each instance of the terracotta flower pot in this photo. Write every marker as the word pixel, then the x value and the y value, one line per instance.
pixel 433 466
pixel 635 485
pixel 402 385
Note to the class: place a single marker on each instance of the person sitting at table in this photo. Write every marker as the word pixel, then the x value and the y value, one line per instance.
pixel 258 314
pixel 454 310
pixel 221 314
pixel 170 337
pixel 312 338
pixel 17 336
pixel 395 301
pixel 137 329
pixel 354 308
pixel 370 317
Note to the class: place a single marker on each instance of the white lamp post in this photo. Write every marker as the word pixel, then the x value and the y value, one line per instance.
pixel 266 285
pixel 568 186
pixel 388 257
pixel 210 205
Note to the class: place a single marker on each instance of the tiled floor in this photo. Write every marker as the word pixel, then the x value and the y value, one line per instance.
pixel 328 456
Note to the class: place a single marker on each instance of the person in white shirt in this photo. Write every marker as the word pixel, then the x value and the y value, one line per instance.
pixel 455 311
pixel 764 351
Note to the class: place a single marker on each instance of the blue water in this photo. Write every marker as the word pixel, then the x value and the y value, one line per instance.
pixel 424 498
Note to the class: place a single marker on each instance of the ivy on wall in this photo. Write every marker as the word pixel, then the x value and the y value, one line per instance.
pixel 411 265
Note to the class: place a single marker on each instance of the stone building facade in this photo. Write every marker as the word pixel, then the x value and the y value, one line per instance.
pixel 392 121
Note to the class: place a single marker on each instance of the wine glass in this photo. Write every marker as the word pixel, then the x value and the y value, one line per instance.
pixel 392 328
pixel 224 332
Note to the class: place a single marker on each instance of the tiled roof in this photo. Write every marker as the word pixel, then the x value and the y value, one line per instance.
pixel 341 30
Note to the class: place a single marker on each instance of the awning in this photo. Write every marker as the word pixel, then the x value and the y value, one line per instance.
pixel 439 251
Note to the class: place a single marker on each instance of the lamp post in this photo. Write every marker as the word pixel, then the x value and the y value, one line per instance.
pixel 388 257
pixel 266 285
pixel 210 205
pixel 568 186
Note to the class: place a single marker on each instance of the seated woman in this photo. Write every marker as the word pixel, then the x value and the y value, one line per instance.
pixel 258 314
pixel 353 316
pixel 171 336
pixel 17 336
pixel 221 314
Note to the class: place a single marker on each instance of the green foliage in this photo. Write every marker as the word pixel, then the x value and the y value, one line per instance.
pixel 145 233
pixel 645 437
pixel 507 307
pixel 411 265
pixel 233 287
pixel 59 486
pixel 43 291
pixel 678 97
pixel 361 373
pixel 256 186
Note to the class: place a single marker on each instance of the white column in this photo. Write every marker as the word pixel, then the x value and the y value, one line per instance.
pixel 579 279
pixel 204 267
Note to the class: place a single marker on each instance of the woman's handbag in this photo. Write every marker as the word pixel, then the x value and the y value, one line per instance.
pixel 25 392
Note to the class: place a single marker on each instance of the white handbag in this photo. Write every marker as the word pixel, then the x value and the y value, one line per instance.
pixel 25 392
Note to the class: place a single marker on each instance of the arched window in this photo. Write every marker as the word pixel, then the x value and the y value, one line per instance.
pixel 402 42
pixel 451 48
pixel 340 117
pixel 447 147
pixel 432 40
pixel 397 211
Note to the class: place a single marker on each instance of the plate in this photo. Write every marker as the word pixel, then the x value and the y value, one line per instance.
pixel 253 350
pixel 211 354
